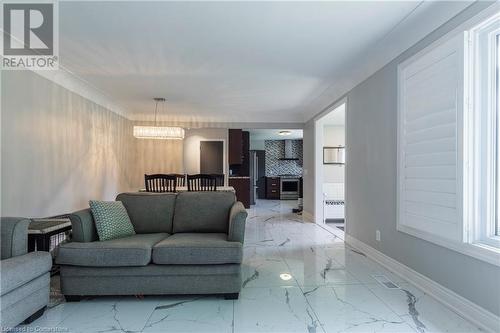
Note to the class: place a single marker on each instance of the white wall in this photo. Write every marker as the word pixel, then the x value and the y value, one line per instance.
pixel 157 156
pixel 257 144
pixel 309 170
pixel 59 149
pixel 175 156
pixel 192 147
pixel 333 136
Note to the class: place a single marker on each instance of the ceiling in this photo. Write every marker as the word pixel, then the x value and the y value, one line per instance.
pixel 272 134
pixel 222 61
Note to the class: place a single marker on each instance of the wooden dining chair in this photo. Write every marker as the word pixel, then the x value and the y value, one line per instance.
pixel 160 183
pixel 181 178
pixel 201 182
pixel 219 179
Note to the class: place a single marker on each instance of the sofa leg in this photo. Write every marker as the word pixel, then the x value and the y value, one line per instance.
pixel 34 316
pixel 72 298
pixel 231 296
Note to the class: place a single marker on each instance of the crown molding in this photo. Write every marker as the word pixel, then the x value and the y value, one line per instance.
pixel 403 36
pixel 77 85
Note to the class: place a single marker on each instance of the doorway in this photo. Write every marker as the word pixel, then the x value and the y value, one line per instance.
pixel 212 157
pixel 330 148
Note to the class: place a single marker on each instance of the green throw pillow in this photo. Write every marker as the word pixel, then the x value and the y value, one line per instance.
pixel 111 219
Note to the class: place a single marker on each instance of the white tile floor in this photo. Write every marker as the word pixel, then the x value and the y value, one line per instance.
pixel 331 289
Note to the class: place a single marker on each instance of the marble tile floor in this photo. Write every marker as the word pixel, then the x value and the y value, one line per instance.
pixel 297 277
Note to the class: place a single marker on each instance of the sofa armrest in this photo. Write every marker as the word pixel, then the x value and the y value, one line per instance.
pixel 237 218
pixel 14 237
pixel 18 271
pixel 83 226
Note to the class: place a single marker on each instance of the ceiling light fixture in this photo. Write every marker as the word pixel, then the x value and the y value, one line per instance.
pixel 285 132
pixel 158 132
pixel 285 276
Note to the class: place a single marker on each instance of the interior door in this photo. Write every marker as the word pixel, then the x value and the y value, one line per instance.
pixel 212 157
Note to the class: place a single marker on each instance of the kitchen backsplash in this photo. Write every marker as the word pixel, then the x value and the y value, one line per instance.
pixel 275 149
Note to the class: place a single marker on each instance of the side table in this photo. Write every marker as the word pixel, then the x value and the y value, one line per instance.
pixel 45 234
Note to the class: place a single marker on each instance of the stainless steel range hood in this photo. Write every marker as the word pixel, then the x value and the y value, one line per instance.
pixel 289 155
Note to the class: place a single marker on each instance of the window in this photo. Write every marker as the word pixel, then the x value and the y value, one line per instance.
pixel 482 139
pixel 449 140
pixel 429 154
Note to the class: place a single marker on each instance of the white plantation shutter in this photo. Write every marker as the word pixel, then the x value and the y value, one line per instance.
pixel 430 113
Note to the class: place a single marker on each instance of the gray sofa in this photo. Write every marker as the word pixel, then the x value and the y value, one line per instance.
pixel 186 243
pixel 25 279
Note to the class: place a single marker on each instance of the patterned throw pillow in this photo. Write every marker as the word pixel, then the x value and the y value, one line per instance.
pixel 111 219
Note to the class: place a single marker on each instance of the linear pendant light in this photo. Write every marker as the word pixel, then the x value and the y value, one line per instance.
pixel 158 132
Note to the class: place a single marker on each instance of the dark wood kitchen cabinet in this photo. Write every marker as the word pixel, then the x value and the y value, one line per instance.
pixel 272 187
pixel 235 146
pixel 239 152
pixel 245 155
pixel 242 188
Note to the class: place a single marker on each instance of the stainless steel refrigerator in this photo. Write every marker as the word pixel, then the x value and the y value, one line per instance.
pixel 257 175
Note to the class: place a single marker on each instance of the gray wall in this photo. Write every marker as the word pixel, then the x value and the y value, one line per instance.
pixel 58 149
pixel 371 140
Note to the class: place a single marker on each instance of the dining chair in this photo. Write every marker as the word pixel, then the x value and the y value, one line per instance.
pixel 160 183
pixel 201 182
pixel 219 179
pixel 181 178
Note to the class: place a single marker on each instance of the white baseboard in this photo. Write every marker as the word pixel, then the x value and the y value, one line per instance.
pixel 307 217
pixel 465 308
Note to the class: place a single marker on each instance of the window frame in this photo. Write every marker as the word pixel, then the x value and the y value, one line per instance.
pixel 497 101
pixel 481 137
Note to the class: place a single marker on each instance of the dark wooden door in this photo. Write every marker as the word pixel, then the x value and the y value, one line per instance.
pixel 211 157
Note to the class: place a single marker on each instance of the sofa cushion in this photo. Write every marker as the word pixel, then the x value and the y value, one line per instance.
pixel 197 249
pixel 149 212
pixel 22 293
pixel 203 211
pixel 17 271
pixel 111 219
pixel 129 251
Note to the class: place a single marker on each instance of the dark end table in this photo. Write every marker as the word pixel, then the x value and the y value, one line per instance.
pixel 46 234
pixel 41 231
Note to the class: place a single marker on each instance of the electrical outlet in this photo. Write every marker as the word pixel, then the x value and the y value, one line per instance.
pixel 377 235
